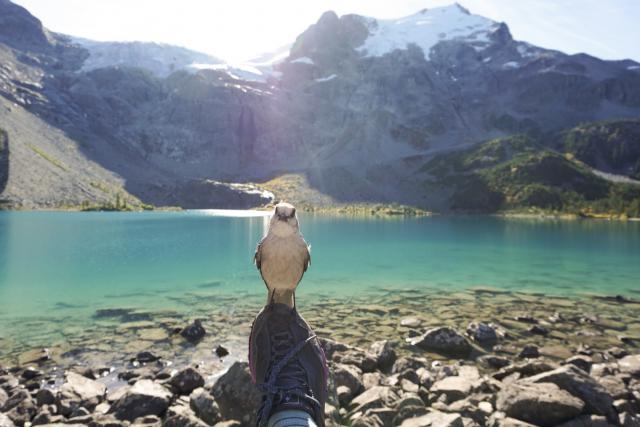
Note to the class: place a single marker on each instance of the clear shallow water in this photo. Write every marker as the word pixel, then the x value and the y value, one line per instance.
pixel 64 266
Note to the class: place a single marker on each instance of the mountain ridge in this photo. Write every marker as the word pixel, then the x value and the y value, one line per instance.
pixel 327 109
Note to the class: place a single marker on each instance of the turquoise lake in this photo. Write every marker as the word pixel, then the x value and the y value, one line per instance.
pixel 64 266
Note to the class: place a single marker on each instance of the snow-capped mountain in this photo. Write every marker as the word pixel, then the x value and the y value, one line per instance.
pixel 159 58
pixel 358 104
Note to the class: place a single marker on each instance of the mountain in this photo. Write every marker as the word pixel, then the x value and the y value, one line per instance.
pixel 161 59
pixel 359 110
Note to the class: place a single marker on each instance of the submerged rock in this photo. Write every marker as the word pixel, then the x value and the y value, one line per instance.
pixel 482 333
pixel 194 332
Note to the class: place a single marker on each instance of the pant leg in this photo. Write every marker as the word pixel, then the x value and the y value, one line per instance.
pixel 291 418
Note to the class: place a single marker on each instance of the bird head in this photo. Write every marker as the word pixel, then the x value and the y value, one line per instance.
pixel 284 219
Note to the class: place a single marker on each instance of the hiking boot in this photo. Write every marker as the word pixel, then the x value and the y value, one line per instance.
pixel 287 364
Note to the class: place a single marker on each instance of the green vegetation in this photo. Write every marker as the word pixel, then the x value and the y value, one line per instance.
pixel 613 144
pixel 519 174
pixel 120 203
pixel 48 158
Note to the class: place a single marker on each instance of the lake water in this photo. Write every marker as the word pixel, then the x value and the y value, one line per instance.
pixel 62 267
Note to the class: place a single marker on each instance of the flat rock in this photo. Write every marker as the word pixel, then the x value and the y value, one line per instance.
pixel 454 387
pixel 541 404
pixel 444 340
pixel 434 419
pixel 144 398
pixel 577 382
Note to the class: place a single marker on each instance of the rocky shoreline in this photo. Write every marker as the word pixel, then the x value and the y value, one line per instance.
pixel 481 357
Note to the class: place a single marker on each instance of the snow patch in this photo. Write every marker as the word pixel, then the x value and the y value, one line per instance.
pixel 426 29
pixel 326 79
pixel 487 59
pixel 634 67
pixel 511 65
pixel 303 60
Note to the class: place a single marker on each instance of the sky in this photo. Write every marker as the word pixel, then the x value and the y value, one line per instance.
pixel 237 30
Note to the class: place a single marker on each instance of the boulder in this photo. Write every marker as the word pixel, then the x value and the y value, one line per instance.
pixel 182 416
pixel 3 397
pixel 581 361
pixel 80 391
pixel 434 419
pixel 540 404
pixel 186 380
pixel 237 397
pixel 577 382
pixel 194 332
pixel 144 398
pixel 349 376
pixel 443 340
pixel 525 369
pixel 20 408
pixel 482 333
pixel 409 363
pixel 383 353
pixel 204 406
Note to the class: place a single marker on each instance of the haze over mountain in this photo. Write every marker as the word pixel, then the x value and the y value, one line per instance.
pixel 363 110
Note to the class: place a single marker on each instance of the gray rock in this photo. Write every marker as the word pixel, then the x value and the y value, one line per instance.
pixel 81 391
pixel 581 361
pixel 45 396
pixel 453 387
pixel 102 420
pixel 525 369
pixel 186 380
pixel 406 412
pixel 6 421
pixel 629 420
pixel 204 406
pixel 371 379
pixel 194 332
pixel 577 382
pixel 236 395
pixel 348 376
pixel 529 351
pixel 482 333
pixel 182 416
pixel 587 421
pixel 383 353
pixel 344 394
pixel 409 363
pixel 3 397
pixel 146 357
pixel 144 398
pixel 630 365
pixel 540 404
pixel 434 419
pixel 493 361
pixel 443 340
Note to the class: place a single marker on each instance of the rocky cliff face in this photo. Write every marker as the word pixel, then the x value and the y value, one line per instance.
pixel 359 101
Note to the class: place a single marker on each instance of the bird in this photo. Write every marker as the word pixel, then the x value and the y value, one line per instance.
pixel 282 256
